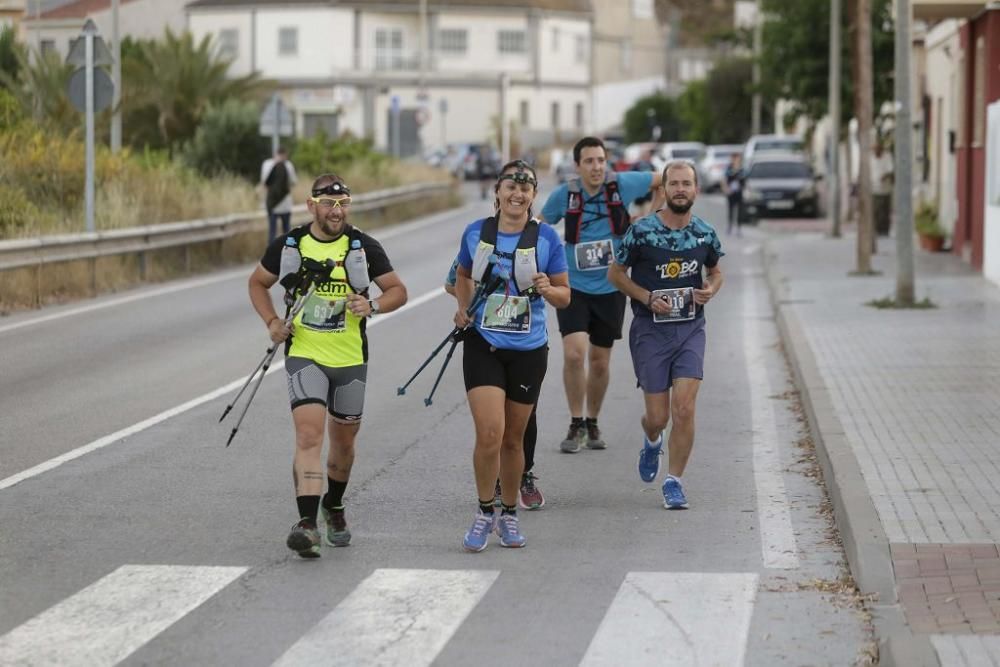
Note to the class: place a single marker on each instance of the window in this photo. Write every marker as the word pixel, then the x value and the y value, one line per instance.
pixel 626 56
pixel 555 39
pixel 581 48
pixel 320 122
pixel 555 115
pixel 525 114
pixel 388 48
pixel 288 41
pixel 642 9
pixel 47 46
pixel 578 116
pixel 511 41
pixel 453 41
pixel 229 43
pixel 979 94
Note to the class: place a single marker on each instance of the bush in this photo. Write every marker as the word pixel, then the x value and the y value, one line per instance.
pixel 17 212
pixel 322 154
pixel 925 221
pixel 228 141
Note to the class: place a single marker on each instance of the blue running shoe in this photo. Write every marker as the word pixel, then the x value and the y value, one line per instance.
pixel 479 533
pixel 510 534
pixel 649 460
pixel 673 494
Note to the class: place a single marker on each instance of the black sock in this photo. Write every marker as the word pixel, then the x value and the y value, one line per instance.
pixel 577 421
pixel 335 493
pixel 486 506
pixel 508 509
pixel 308 507
pixel 591 420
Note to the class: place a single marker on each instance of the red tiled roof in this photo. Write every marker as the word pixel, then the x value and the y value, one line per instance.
pixel 79 9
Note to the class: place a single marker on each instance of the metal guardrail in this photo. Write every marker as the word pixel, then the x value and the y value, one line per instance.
pixel 27 253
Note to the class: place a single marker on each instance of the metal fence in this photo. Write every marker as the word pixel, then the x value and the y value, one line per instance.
pixel 37 252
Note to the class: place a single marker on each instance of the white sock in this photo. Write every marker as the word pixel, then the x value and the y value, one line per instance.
pixel 655 443
pixel 677 477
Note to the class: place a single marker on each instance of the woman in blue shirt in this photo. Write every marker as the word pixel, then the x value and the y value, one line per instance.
pixel 506 345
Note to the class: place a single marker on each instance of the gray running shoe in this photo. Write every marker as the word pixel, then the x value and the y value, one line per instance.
pixel 337 534
pixel 575 438
pixel 304 539
pixel 594 440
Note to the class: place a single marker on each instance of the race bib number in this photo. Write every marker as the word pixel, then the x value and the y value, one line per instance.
pixel 681 302
pixel 510 314
pixel 322 314
pixel 593 255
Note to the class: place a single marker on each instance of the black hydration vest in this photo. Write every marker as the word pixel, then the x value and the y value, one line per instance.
pixel 619 218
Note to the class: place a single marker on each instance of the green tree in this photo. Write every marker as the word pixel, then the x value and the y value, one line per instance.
pixel 40 89
pixel 695 112
pixel 796 49
pixel 10 56
pixel 227 140
pixel 177 80
pixel 649 111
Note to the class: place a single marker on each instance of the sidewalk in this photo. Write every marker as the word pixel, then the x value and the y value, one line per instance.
pixel 905 408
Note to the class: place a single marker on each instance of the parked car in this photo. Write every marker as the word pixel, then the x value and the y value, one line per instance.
pixel 780 184
pixel 637 157
pixel 713 165
pixel 760 144
pixel 691 151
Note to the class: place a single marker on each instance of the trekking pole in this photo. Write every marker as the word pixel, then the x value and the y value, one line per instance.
pixel 265 363
pixel 480 296
pixel 437 380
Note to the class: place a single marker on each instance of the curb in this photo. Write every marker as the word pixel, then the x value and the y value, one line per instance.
pixel 865 542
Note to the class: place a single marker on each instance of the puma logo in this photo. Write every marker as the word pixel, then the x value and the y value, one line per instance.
pixel 526 387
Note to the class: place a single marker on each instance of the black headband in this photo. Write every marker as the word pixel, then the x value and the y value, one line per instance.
pixel 337 188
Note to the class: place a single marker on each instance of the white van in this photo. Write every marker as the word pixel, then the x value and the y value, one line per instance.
pixel 771 143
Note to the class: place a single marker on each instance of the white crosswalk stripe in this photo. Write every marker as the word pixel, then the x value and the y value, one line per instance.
pixel 674 618
pixel 110 619
pixel 394 617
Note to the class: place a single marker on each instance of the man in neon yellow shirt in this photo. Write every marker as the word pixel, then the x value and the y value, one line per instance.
pixel 326 348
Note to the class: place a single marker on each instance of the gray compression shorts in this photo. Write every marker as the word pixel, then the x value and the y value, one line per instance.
pixel 341 390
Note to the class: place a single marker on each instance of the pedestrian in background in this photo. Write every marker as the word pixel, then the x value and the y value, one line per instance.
pixel 732 186
pixel 659 265
pixel 277 177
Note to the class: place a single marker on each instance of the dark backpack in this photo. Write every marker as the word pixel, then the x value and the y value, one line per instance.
pixel 277 184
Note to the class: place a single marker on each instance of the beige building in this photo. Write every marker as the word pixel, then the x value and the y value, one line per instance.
pixel 11 12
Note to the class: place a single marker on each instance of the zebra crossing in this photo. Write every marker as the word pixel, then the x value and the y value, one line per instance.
pixel 392 617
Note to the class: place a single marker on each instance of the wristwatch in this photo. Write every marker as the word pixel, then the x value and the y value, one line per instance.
pixel 373 304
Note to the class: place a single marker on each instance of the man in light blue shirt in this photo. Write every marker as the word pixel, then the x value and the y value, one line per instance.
pixel 594 208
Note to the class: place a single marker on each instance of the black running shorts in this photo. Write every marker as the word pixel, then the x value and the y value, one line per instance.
pixel 518 372
pixel 600 315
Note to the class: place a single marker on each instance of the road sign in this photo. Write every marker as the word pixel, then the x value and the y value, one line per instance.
pixel 104 89
pixel 78 53
pixel 277 118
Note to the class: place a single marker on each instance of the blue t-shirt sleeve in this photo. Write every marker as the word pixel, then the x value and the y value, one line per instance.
pixel 555 206
pixel 634 184
pixel 714 251
pixel 557 256
pixel 452 276
pixel 625 253
pixel 464 254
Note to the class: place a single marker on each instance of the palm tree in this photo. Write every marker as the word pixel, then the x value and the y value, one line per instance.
pixel 173 81
pixel 40 86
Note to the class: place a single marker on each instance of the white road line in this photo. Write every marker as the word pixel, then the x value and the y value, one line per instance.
pixel 967 650
pixel 144 294
pixel 112 618
pixel 676 618
pixel 387 233
pixel 182 408
pixel 394 617
pixel 777 538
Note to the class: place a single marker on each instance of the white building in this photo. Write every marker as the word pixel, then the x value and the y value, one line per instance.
pixel 54 29
pixel 342 65
pixel 943 51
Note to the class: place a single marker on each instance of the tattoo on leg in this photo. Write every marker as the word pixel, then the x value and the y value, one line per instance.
pixel 313 475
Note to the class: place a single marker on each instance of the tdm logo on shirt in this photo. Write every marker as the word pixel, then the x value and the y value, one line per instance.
pixel 334 287
pixel 678 269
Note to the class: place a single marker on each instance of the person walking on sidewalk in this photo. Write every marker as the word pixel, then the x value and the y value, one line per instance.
pixel 521 266
pixel 659 266
pixel 326 351
pixel 530 496
pixel 594 207
pixel 277 177
pixel 732 186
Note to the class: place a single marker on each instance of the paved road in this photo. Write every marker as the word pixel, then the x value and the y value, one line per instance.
pixel 164 547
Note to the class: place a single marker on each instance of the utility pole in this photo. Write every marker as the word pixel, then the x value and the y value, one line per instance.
pixel 758 35
pixel 504 123
pixel 903 159
pixel 863 96
pixel 116 102
pixel 423 45
pixel 833 144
